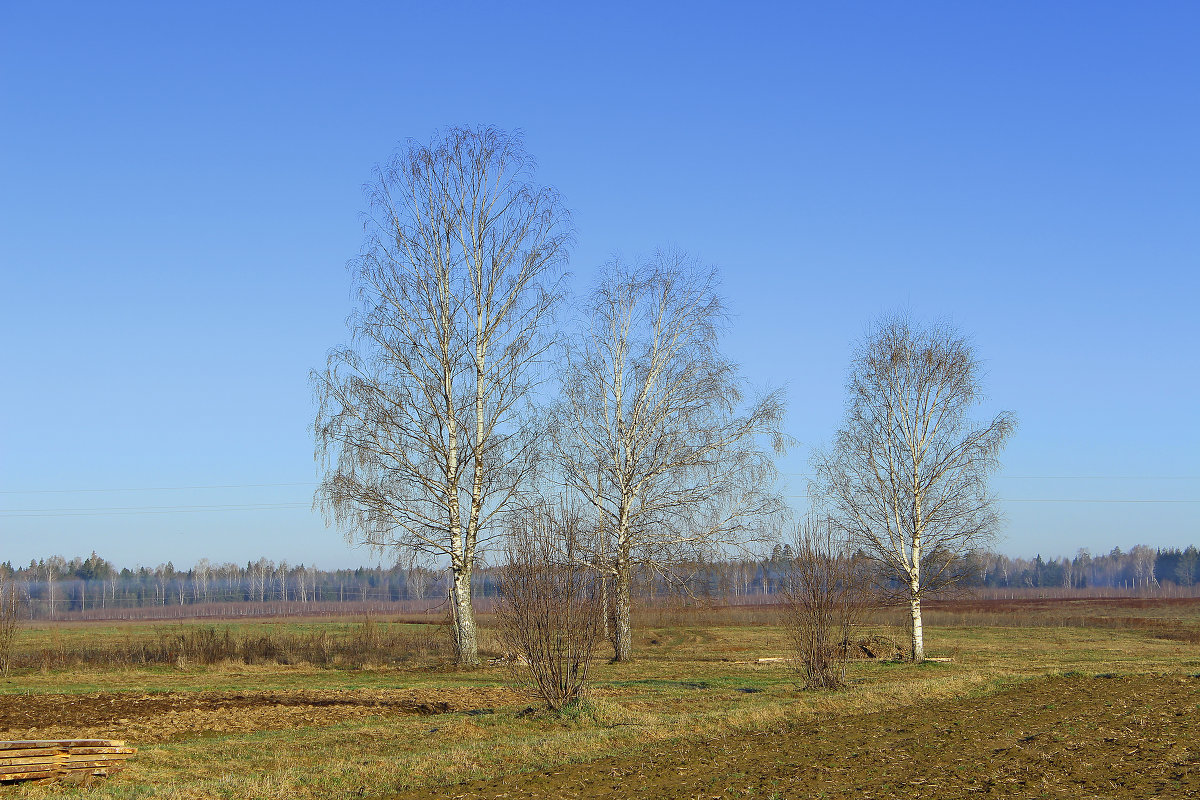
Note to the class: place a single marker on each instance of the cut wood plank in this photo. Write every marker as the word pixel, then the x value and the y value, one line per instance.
pixel 29 743
pixel 73 762
pixel 87 751
pixel 20 768
pixel 31 752
pixel 29 776
pixel 38 759
pixel 20 762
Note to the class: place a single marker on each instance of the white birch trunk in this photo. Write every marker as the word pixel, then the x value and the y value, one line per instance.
pixel 622 602
pixel 465 637
pixel 918 636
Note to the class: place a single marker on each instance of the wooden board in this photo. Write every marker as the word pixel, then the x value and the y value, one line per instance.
pixel 18 769
pixel 59 743
pixel 20 762
pixel 95 751
pixel 29 776
pixel 33 752
pixel 37 759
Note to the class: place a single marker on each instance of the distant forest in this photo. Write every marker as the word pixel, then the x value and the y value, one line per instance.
pixel 83 587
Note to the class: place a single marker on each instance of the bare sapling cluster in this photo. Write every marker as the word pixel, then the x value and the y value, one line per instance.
pixel 906 477
pixel 826 591
pixel 420 425
pixel 10 620
pixel 551 605
pixel 654 433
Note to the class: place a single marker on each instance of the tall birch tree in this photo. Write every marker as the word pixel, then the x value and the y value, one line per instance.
pixel 655 430
pixel 907 473
pixel 418 426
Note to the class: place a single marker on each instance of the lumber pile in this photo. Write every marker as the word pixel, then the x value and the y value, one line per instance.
pixel 37 759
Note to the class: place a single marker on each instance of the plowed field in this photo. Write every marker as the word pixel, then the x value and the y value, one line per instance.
pixel 1069 737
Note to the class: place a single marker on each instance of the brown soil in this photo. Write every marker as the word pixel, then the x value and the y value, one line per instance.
pixel 1074 736
pixel 160 716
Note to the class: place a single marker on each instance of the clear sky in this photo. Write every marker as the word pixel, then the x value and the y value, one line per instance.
pixel 180 189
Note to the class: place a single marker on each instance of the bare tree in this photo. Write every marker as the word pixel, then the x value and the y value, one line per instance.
pixel 825 593
pixel 10 618
pixel 550 610
pixel 419 418
pixel 259 575
pixel 53 566
pixel 281 579
pixel 202 574
pixel 907 473
pixel 653 430
pixel 1141 559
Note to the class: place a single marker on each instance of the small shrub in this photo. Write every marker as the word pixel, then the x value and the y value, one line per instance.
pixel 825 594
pixel 550 609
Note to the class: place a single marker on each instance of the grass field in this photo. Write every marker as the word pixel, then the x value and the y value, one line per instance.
pixel 371 722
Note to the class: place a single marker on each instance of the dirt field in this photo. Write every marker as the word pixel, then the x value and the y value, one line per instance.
pixel 166 716
pixel 1073 736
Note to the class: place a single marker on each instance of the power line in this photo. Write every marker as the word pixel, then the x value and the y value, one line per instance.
pixel 1099 477
pixel 1066 477
pixel 1046 500
pixel 158 488
pixel 19 513
pixel 1032 500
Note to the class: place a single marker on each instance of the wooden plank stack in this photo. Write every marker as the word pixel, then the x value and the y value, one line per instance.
pixel 37 759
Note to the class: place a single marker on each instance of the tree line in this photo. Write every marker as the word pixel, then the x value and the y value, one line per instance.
pixel 55 586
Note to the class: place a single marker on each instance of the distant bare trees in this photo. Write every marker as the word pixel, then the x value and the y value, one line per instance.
pixel 550 610
pixel 906 476
pixel 418 423
pixel 654 431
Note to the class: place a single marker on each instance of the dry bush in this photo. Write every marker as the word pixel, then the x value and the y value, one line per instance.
pixel 550 612
pixel 825 594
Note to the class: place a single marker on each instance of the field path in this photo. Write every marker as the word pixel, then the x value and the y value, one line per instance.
pixel 1069 736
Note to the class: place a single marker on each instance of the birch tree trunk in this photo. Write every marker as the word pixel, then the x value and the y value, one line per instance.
pixel 623 605
pixel 466 640
pixel 918 634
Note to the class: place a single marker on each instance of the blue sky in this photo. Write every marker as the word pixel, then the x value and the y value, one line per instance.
pixel 180 189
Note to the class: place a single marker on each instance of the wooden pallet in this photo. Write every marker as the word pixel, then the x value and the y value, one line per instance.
pixel 38 759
